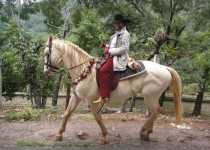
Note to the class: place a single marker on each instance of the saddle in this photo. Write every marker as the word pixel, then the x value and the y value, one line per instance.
pixel 120 75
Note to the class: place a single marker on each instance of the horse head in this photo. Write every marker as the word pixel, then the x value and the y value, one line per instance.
pixel 52 57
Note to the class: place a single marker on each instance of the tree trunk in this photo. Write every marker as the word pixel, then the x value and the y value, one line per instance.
pixel 37 98
pixel 44 100
pixel 133 102
pixel 44 94
pixel 57 88
pixel 199 100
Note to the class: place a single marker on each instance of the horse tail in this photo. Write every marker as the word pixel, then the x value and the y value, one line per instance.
pixel 176 88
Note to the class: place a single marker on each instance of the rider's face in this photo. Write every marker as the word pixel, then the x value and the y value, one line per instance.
pixel 118 25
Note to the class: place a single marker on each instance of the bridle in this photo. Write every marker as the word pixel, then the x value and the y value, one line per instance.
pixel 48 64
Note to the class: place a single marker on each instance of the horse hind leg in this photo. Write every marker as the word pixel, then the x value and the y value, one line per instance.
pixel 74 101
pixel 154 109
pixel 94 109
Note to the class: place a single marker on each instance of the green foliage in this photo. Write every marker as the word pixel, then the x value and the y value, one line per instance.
pixel 89 33
pixel 52 11
pixel 11 116
pixel 35 26
pixel 190 89
pixel 9 10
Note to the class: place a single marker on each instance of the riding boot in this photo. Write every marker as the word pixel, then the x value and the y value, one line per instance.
pixel 101 100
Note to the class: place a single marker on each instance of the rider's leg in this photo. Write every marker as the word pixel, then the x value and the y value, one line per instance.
pixel 106 73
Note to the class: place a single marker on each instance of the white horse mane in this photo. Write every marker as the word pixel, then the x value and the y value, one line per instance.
pixel 73 52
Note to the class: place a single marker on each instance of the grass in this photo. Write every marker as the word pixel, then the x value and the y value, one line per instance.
pixel 26 114
pixel 69 143
pixel 85 143
pixel 53 109
pixel 27 143
pixel 88 118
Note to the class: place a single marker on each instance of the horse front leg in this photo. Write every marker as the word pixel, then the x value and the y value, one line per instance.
pixel 74 101
pixel 94 109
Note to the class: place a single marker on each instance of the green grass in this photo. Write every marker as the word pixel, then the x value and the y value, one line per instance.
pixel 53 109
pixel 67 143
pixel 27 143
pixel 10 115
pixel 26 114
pixel 85 143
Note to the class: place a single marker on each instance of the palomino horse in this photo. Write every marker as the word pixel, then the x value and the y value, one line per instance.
pixel 151 84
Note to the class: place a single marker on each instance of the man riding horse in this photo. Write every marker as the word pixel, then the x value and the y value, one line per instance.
pixel 118 57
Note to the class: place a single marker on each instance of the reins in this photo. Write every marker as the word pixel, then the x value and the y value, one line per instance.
pixel 79 64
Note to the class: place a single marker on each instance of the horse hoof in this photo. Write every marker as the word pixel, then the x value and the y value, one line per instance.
pixel 58 138
pixel 144 137
pixel 150 131
pixel 102 141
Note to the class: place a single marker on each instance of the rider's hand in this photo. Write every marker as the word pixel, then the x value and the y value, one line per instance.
pixel 103 45
pixel 106 51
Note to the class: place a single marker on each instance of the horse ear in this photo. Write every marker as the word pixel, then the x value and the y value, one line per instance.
pixel 50 39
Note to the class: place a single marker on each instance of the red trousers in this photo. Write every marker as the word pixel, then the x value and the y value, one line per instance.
pixel 106 73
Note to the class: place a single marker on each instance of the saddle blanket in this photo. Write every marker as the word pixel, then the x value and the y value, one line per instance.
pixel 128 73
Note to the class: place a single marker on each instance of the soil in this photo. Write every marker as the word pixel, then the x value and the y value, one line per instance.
pixel 123 132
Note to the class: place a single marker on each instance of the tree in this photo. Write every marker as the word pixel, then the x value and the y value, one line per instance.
pixel 57 23
pixel 21 53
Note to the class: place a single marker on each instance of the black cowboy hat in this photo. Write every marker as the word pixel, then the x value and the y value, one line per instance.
pixel 121 18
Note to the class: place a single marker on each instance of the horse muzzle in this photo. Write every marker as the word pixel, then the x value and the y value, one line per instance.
pixel 48 72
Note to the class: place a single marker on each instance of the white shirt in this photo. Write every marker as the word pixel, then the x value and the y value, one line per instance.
pixel 113 42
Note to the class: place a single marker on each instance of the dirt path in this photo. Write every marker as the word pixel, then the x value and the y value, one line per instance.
pixel 123 132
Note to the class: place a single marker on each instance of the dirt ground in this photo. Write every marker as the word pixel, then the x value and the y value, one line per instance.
pixel 123 132
pixel 83 131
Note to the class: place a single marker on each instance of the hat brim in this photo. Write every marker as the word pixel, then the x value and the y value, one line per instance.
pixel 126 21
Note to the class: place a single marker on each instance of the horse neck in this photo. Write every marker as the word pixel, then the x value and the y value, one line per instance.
pixel 74 57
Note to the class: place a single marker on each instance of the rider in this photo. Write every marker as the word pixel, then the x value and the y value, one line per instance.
pixel 117 51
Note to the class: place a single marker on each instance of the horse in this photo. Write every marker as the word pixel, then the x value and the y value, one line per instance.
pixel 151 84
